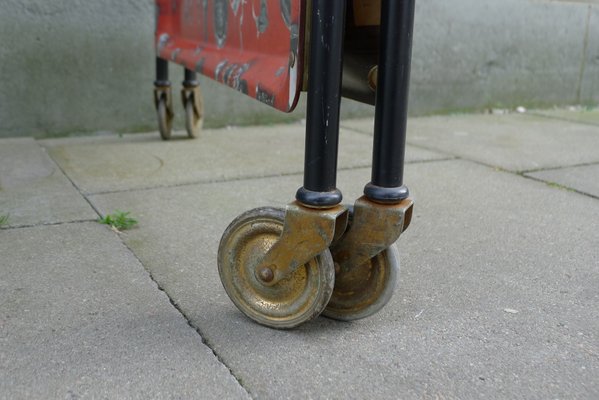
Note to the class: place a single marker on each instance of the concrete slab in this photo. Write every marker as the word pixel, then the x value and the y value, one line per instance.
pixel 33 190
pixel 584 179
pixel 585 115
pixel 81 318
pixel 513 141
pixel 133 162
pixel 497 295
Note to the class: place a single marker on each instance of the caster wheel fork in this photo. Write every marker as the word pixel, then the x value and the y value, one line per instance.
pixel 194 110
pixel 367 260
pixel 364 290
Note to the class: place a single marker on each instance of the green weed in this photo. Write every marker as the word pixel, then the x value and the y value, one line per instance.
pixel 4 219
pixel 118 220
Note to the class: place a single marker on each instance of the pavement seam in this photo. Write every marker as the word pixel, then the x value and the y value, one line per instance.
pixel 197 329
pixel 243 178
pixel 207 182
pixel 523 172
pixel 44 150
pixel 70 180
pixel 77 221
pixel 530 171
pixel 448 156
pixel 560 186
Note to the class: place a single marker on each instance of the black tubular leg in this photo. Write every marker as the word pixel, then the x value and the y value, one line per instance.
pixel 397 24
pixel 324 96
pixel 191 79
pixel 161 72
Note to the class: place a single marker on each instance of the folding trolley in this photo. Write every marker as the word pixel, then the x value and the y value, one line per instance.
pixel 284 267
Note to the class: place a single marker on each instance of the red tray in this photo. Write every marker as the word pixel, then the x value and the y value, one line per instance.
pixel 253 46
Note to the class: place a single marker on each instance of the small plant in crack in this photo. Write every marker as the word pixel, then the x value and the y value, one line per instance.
pixel 4 219
pixel 118 221
pixel 559 186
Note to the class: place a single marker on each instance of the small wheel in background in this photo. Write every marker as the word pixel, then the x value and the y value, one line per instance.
pixel 193 121
pixel 165 121
pixel 364 290
pixel 290 302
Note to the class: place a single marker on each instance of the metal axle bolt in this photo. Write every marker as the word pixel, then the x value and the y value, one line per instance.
pixel 266 274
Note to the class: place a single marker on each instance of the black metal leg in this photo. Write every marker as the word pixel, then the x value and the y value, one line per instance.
pixel 324 96
pixel 191 79
pixel 397 23
pixel 161 72
pixel 163 99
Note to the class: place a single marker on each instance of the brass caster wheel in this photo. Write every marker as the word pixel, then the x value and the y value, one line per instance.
pixel 290 302
pixel 165 119
pixel 364 290
pixel 193 116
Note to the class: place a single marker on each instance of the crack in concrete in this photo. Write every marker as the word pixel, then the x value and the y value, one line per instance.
pixel 197 329
pixel 204 341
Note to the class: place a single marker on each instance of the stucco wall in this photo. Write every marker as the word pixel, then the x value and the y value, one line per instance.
pixel 69 66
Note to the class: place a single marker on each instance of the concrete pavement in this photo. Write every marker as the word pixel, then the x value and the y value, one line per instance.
pixel 498 293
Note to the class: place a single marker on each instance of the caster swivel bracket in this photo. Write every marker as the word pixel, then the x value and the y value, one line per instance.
pixel 374 228
pixel 164 91
pixel 306 233
pixel 193 94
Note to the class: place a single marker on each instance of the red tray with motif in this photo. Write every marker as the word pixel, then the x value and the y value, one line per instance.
pixel 253 46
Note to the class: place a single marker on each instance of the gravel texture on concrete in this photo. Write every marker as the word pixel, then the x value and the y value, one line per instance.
pixel 584 179
pixel 81 318
pixel 33 190
pixel 110 164
pixel 497 295
pixel 514 142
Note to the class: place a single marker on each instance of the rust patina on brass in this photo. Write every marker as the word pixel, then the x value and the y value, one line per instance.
pixel 366 259
pixel 374 228
pixel 365 289
pixel 307 232
pixel 299 297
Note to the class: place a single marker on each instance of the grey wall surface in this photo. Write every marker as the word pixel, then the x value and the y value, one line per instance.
pixel 75 66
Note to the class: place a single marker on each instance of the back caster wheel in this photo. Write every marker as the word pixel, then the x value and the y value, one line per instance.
pixel 364 290
pixel 165 119
pixel 292 301
pixel 194 117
